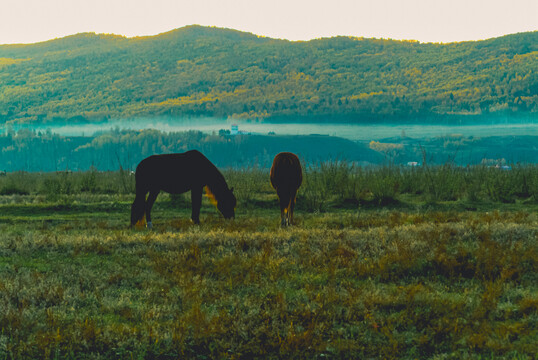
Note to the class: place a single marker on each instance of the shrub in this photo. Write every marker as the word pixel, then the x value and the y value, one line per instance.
pixel 54 185
pixel 314 194
pixel 248 184
pixel 88 181
pixel 384 185
pixel 13 189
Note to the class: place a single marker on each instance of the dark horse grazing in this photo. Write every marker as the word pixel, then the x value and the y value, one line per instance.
pixel 176 174
pixel 286 178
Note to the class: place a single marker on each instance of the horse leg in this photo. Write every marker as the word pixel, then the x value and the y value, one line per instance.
pixel 292 205
pixel 196 200
pixel 138 207
pixel 283 211
pixel 149 204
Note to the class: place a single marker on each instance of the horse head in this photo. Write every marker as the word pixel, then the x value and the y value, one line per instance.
pixel 226 204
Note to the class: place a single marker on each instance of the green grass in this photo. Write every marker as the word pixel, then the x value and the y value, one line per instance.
pixel 413 278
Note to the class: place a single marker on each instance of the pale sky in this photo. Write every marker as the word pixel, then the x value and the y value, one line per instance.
pixel 28 21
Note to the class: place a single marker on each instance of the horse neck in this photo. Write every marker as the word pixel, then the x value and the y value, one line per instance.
pixel 216 183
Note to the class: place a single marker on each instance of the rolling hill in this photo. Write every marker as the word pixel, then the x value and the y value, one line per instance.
pixel 200 71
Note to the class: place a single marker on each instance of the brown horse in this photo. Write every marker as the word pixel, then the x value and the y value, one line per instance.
pixel 286 178
pixel 176 174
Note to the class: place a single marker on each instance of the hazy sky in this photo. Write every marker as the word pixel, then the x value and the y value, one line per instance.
pixel 26 21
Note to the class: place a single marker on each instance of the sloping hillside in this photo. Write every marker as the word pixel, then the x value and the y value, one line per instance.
pixel 199 71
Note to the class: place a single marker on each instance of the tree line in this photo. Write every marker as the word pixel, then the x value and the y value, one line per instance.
pixel 36 151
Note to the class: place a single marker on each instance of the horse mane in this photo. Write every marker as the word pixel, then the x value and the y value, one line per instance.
pixel 217 186
pixel 210 196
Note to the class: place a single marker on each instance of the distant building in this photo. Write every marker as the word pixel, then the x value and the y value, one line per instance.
pixel 235 129
pixel 413 163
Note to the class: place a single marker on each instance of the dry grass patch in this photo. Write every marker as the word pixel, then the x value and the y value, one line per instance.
pixel 372 284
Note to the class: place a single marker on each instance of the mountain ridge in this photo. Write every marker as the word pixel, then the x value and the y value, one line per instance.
pixel 207 29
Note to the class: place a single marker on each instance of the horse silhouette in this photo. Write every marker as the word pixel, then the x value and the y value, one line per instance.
pixel 286 178
pixel 176 174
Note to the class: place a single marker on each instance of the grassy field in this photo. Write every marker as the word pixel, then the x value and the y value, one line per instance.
pixel 382 263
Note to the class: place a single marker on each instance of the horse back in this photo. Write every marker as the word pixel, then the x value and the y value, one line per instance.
pixel 174 173
pixel 286 171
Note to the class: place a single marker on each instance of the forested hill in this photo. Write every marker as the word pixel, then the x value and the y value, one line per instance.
pixel 200 71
